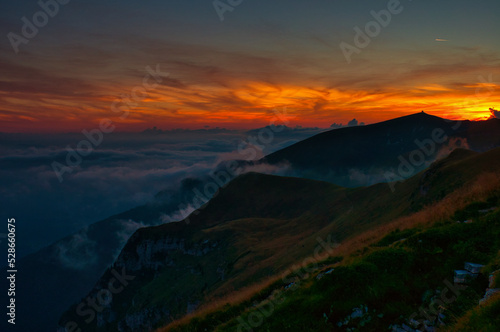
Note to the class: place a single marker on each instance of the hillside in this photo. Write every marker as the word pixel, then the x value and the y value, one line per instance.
pixel 392 276
pixel 395 284
pixel 253 230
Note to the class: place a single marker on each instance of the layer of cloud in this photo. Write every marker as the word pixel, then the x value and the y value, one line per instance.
pixel 125 171
pixel 213 85
pixel 78 252
pixel 352 123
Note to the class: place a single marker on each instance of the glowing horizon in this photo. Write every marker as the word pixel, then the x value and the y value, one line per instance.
pixel 307 107
pixel 233 73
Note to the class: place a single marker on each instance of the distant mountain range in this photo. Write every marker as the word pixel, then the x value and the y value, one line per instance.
pixel 253 229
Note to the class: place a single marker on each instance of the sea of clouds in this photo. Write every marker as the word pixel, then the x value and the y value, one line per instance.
pixel 125 171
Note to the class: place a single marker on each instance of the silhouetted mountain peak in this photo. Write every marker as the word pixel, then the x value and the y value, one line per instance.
pixel 357 156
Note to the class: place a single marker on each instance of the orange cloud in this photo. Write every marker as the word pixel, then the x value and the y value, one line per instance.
pixel 208 86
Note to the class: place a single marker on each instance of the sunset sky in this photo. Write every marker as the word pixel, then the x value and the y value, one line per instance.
pixel 442 57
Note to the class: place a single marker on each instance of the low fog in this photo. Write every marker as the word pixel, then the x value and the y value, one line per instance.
pixel 124 171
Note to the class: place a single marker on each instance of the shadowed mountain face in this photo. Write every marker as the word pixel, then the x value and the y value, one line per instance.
pixel 182 262
pixel 254 228
pixel 68 268
pixel 364 155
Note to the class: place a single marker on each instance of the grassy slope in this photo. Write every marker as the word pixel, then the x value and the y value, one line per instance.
pixel 459 169
pixel 484 318
pixel 392 281
pixel 251 206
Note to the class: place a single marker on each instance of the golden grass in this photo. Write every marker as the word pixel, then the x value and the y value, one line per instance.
pixel 235 298
pixel 478 190
pixel 472 319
